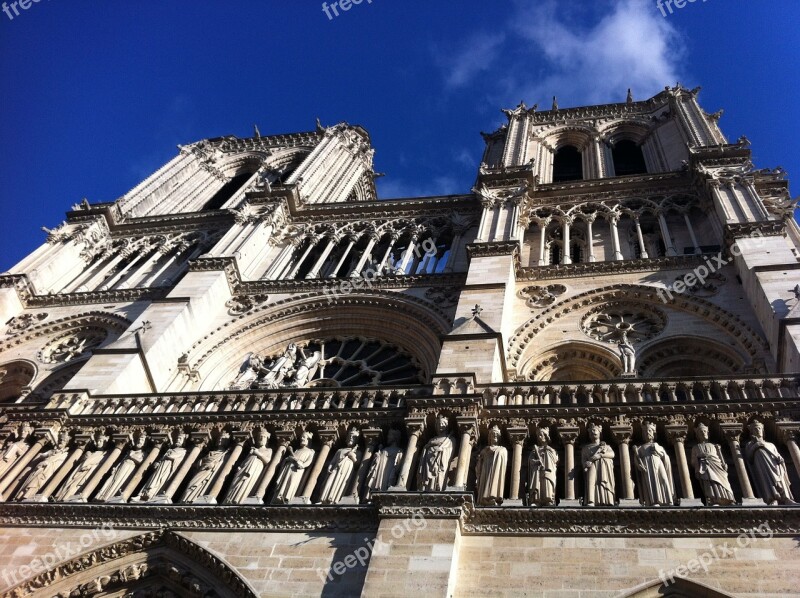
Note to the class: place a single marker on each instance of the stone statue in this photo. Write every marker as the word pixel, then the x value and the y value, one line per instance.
pixel 165 467
pixel 490 470
pixel 294 469
pixel 340 470
pixel 542 464
pixel 43 468
pixel 434 464
pixel 710 469
pixel 385 466
pixel 123 471
pixel 627 355
pixel 306 369
pixel 206 469
pixel 767 467
pixel 252 367
pixel 654 470
pixel 16 445
pixel 90 461
pixel 278 369
pixel 249 474
pixel 598 469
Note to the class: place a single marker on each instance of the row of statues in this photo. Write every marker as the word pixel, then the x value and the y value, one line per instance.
pixel 159 472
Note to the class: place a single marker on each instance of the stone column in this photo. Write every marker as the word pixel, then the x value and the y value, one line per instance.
pixel 415 429
pixel 589 238
pixel 362 261
pixel 284 439
pixel 353 495
pixel 467 427
pixel 640 237
pixel 613 220
pixel 566 258
pixel 568 436
pixel 44 436
pixel 210 497
pixel 677 437
pixel 787 433
pixel 409 253
pixel 328 437
pixel 662 223
pixel 120 442
pixel 622 436
pixel 733 433
pixel 314 272
pixel 387 253
pixel 517 437
pixel 81 440
pixel 691 233
pixel 345 253
pixel 311 244
pixel 487 209
pixel 543 242
pixel 200 441
pixel 158 439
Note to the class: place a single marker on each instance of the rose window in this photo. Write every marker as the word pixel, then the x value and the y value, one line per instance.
pixel 610 323
pixel 73 345
pixel 329 363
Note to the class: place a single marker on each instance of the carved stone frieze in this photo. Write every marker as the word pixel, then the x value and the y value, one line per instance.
pixel 24 321
pixel 541 296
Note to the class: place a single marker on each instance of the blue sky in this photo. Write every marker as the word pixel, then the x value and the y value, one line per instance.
pixel 96 94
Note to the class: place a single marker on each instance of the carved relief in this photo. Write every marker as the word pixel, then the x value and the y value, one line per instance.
pixel 242 304
pixel 72 346
pixel 340 469
pixel 24 321
pixel 542 464
pixel 541 296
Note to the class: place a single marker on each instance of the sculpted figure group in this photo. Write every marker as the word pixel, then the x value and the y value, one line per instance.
pixel 211 466
pixel 292 369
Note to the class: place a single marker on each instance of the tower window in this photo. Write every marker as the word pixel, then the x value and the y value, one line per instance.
pixel 567 165
pixel 628 158
pixel 227 191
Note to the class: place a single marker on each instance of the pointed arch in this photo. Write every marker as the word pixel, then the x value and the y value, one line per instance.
pixel 411 324
pixel 151 561
pixel 749 342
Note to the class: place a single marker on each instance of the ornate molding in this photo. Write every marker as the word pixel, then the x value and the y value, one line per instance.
pixel 492 249
pixel 680 262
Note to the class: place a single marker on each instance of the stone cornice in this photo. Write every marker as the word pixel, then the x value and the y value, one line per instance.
pixel 259 287
pixel 616 187
pixel 680 262
pixel 185 517
pixel 493 248
pixel 598 521
pixel 384 209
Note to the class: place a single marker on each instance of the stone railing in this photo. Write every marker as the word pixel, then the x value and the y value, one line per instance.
pixel 234 401
pixel 636 390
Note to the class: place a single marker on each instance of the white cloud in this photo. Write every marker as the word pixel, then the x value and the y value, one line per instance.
pixel 476 56
pixel 441 185
pixel 580 54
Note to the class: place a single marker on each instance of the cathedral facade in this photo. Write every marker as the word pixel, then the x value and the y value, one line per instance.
pixel 248 376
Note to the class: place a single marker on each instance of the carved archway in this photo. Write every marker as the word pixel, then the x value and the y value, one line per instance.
pixel 147 564
pixel 688 356
pixel 413 325
pixel 572 361
pixel 749 342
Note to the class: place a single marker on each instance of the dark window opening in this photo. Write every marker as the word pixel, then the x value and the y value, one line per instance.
pixel 227 191
pixel 567 165
pixel 628 158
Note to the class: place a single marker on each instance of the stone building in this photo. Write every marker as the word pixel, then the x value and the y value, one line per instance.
pixel 249 377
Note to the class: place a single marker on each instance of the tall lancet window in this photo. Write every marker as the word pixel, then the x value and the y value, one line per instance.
pixel 567 165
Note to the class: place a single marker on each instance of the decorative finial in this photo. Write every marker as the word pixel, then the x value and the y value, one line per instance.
pixel 476 311
pixel 629 99
pixel 555 103
pixel 256 131
pixel 796 291
pixel 320 128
